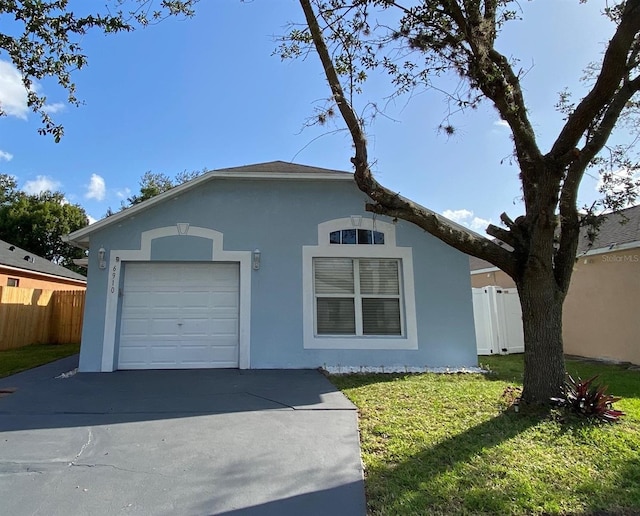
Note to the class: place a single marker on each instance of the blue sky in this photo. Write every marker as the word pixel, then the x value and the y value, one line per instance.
pixel 208 93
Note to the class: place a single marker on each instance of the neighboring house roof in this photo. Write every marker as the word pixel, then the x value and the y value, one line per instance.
pixel 618 230
pixel 271 170
pixel 476 264
pixel 17 258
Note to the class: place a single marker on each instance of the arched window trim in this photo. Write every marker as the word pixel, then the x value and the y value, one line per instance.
pixel 388 250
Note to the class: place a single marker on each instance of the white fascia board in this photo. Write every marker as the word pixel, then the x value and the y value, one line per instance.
pixel 610 249
pixel 482 271
pixel 80 238
pixel 592 252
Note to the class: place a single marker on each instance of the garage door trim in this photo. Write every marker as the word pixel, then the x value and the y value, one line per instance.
pixel 119 256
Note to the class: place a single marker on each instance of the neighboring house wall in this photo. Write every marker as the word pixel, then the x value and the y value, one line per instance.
pixel 27 279
pixel 601 309
pixel 282 219
pixel 491 278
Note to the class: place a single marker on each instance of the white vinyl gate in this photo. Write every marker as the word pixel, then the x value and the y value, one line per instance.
pixel 498 320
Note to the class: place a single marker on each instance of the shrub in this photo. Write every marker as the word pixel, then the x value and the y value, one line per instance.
pixel 589 399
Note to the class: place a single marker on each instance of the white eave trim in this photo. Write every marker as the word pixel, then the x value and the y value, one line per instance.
pixel 482 271
pixel 600 250
pixel 80 237
pixel 44 274
pixel 610 249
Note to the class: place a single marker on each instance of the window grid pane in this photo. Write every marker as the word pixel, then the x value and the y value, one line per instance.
pixel 333 275
pixel 335 316
pixel 364 236
pixel 359 296
pixel 348 236
pixel 381 316
pixel 356 236
pixel 379 277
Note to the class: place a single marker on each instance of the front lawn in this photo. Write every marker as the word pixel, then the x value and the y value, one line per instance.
pixel 443 444
pixel 13 361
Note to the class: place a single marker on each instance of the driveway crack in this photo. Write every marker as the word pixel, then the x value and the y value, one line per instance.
pixel 84 446
pixel 271 400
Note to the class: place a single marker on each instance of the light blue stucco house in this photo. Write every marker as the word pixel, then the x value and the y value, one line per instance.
pixel 274 265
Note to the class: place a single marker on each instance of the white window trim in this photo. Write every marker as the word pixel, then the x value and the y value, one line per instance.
pixel 118 256
pixel 387 250
pixel 357 296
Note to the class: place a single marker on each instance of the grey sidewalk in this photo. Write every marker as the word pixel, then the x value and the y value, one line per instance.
pixel 178 442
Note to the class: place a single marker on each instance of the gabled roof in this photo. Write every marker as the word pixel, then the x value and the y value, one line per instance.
pixel 617 229
pixel 271 170
pixel 279 167
pixel 17 258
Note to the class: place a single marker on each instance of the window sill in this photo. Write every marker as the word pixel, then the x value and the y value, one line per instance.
pixel 371 342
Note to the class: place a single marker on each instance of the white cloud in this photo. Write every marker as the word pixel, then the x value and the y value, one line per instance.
pixel 124 193
pixel 458 215
pixel 13 94
pixel 41 184
pixel 51 109
pixel 501 123
pixel 478 224
pixel 7 156
pixel 91 219
pixel 96 188
pixel 467 218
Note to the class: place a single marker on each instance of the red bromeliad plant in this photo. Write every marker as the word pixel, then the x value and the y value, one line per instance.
pixel 589 399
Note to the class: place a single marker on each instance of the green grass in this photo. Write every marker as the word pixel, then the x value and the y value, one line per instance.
pixel 15 360
pixel 444 444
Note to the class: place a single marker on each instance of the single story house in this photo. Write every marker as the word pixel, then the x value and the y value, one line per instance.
pixel 273 265
pixel 20 268
pixel 600 316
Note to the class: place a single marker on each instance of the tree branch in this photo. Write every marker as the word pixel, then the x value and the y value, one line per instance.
pixel 614 68
pixel 387 202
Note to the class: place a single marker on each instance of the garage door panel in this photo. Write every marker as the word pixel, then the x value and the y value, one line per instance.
pixel 161 327
pixel 179 315
pixel 134 355
pixel 132 327
pixel 225 299
pixel 196 299
pixel 225 327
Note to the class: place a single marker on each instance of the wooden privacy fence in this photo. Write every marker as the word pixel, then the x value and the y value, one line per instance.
pixel 37 316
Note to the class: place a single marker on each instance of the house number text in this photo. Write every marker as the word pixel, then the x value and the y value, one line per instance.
pixel 113 280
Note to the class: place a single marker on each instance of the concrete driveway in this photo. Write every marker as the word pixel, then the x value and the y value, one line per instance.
pixel 274 442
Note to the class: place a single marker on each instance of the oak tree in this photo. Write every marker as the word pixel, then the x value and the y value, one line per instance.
pixel 420 39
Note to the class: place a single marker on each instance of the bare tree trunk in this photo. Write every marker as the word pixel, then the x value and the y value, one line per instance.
pixel 544 369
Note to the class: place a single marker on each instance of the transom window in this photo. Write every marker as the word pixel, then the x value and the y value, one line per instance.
pixel 356 236
pixel 357 296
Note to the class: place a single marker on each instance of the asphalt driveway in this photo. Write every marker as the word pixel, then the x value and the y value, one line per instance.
pixel 273 442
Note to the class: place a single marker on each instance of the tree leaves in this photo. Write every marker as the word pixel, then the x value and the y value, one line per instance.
pixel 43 40
pixel 37 222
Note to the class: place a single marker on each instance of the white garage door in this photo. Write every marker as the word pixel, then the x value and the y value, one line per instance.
pixel 179 316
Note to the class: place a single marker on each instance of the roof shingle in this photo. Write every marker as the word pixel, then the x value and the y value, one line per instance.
pixel 14 256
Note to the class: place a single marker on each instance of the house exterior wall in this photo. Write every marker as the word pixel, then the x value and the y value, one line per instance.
pixel 279 218
pixel 600 313
pixel 29 280
pixel 601 309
